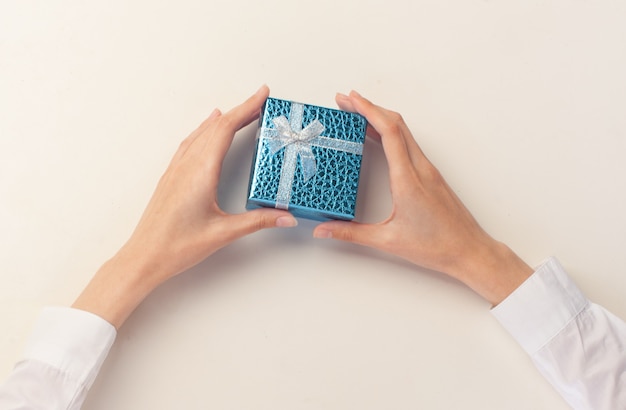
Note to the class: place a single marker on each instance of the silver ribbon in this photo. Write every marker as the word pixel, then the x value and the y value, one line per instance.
pixel 297 142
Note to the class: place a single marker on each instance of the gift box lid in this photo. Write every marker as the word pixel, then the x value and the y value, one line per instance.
pixel 307 160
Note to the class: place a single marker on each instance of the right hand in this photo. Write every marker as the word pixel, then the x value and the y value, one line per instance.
pixel 183 223
pixel 428 225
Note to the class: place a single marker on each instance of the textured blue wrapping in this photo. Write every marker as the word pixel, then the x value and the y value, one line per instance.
pixel 331 193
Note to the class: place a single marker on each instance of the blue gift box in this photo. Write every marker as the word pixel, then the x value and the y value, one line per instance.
pixel 307 160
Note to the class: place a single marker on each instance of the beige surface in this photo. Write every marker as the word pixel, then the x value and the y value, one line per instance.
pixel 520 104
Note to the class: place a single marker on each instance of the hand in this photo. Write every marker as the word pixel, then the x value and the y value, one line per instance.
pixel 428 225
pixel 183 223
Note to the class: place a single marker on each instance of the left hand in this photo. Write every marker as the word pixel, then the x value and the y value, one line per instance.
pixel 428 225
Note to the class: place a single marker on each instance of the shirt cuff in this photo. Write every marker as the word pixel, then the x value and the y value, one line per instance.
pixel 541 306
pixel 74 341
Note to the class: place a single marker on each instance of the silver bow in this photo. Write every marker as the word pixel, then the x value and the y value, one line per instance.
pixel 297 142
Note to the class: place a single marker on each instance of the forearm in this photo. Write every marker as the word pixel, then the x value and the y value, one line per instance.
pixel 118 287
pixel 493 271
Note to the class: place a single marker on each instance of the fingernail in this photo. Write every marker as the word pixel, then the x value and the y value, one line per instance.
pixel 286 222
pixel 322 234
pixel 215 113
pixel 355 93
pixel 342 96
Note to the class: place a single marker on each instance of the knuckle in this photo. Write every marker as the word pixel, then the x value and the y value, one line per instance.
pixel 391 116
pixel 260 221
pixel 431 172
pixel 184 144
pixel 346 235
pixel 226 121
pixel 393 127
pixel 396 117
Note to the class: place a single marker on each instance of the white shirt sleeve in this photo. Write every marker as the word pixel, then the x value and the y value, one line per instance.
pixel 577 345
pixel 60 361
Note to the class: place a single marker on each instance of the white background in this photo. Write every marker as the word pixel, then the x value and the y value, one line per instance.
pixel 521 105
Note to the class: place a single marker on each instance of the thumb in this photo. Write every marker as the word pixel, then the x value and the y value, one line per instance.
pixel 355 232
pixel 251 221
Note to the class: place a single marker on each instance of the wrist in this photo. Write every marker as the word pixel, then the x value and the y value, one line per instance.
pixel 494 271
pixel 118 287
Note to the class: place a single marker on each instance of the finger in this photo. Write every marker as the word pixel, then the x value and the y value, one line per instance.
pixel 219 135
pixel 388 127
pixel 246 112
pixel 204 125
pixel 239 225
pixel 186 143
pixel 372 133
pixel 362 234
pixel 414 149
pixel 344 103
pixel 415 152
